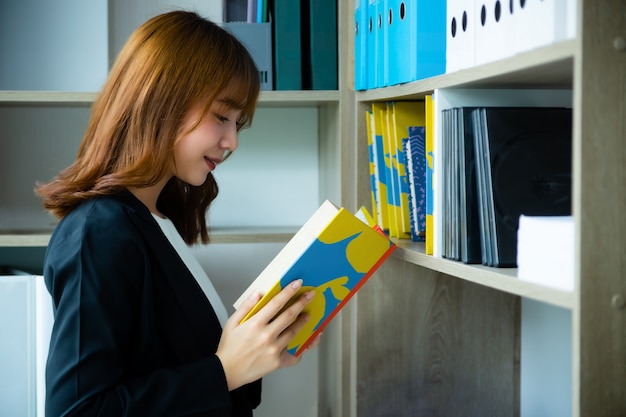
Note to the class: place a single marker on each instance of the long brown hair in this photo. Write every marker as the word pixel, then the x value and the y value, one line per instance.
pixel 169 64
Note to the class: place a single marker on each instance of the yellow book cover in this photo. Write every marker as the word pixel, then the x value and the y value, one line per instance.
pixel 334 253
pixel 404 115
pixel 372 164
pixel 393 196
pixel 381 164
pixel 430 169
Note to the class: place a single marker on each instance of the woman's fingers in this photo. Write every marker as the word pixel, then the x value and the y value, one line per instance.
pixel 252 349
pixel 292 319
pixel 268 313
pixel 245 307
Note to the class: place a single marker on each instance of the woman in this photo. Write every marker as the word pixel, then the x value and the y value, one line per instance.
pixel 139 329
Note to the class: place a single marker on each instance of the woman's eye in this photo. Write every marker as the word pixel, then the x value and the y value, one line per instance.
pixel 221 118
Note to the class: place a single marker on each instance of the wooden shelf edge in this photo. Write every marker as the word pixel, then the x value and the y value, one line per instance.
pixel 266 99
pixel 295 98
pixel 240 235
pixel 24 240
pixel 501 279
pixel 46 97
pixel 279 234
pixel 550 66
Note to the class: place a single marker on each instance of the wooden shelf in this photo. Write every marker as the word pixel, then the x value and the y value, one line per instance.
pixel 547 67
pixel 280 234
pixel 26 98
pixel 502 279
pixel 266 99
pixel 22 240
pixel 298 98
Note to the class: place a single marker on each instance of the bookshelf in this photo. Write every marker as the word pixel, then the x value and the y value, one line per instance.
pixel 430 336
pixel 62 116
pixel 44 114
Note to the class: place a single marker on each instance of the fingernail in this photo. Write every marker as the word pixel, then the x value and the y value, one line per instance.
pixel 309 295
pixel 253 296
pixel 296 284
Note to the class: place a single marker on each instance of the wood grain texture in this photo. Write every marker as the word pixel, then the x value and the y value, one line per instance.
pixel 432 345
pixel 600 178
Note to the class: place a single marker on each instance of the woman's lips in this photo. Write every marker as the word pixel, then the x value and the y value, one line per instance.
pixel 211 163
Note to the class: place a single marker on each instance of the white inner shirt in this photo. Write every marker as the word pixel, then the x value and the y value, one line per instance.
pixel 194 267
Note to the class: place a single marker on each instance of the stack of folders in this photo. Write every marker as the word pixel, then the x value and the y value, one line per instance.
pixel 305 44
pixel 481 31
pixel 545 251
pixel 400 168
pixel 497 164
pixel 398 41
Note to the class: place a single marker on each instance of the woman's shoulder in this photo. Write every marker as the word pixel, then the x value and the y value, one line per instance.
pixel 107 215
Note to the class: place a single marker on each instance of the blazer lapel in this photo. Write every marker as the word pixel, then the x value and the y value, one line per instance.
pixel 190 297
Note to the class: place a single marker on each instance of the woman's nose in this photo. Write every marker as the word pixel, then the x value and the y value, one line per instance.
pixel 230 140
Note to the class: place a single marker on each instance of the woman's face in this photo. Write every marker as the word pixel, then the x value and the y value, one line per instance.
pixel 198 152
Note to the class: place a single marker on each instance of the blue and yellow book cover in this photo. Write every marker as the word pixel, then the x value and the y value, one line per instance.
pixel 393 188
pixel 416 160
pixel 372 164
pixel 430 169
pixel 380 162
pixel 336 262
pixel 404 115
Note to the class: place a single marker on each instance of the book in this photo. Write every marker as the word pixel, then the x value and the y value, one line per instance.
pixel 418 40
pixel 323 44
pixel 360 44
pixel 461 223
pixel 335 252
pixel 471 243
pixel 257 38
pixel 525 168
pixel 380 164
pixel 394 211
pixel 287 44
pixel 415 155
pixel 372 165
pixel 252 11
pixel 429 110
pixel 404 114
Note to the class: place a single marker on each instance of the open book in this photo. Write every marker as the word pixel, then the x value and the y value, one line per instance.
pixel 334 253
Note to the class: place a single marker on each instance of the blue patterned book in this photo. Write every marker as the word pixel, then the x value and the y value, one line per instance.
pixel 415 154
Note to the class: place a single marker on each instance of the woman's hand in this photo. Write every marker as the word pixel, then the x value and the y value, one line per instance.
pixel 250 350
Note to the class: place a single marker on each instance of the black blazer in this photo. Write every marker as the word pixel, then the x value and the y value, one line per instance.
pixel 134 335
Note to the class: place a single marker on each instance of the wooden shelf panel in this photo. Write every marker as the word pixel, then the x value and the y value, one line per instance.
pixel 266 99
pixel 547 67
pixel 218 235
pixel 298 98
pixel 502 279
pixel 64 98
pixel 21 240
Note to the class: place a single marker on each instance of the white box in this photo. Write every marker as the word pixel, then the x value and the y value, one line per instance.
pixel 541 22
pixel 545 251
pixel 461 21
pixel 25 324
pixel 493 24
